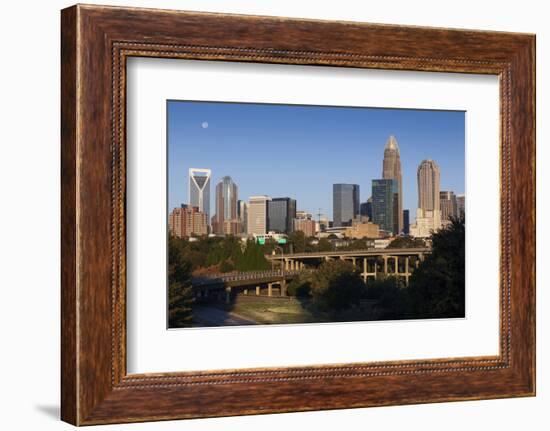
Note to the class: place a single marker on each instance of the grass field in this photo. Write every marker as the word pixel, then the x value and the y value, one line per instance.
pixel 265 310
pixel 272 310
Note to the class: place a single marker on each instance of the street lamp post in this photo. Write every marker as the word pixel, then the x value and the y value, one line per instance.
pixel 282 258
pixel 283 281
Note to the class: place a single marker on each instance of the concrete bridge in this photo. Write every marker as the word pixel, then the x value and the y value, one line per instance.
pixel 397 262
pixel 259 283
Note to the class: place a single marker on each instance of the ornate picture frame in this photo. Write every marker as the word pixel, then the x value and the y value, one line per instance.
pixel 96 41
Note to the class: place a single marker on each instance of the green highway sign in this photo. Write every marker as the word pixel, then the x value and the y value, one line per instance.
pixel 261 241
pixel 281 241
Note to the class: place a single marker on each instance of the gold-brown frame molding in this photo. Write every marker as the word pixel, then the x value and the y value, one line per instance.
pixel 96 41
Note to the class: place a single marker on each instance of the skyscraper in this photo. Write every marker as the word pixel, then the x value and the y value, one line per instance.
pixel 257 215
pixel 391 170
pixel 365 209
pixel 280 215
pixel 406 222
pixel 428 214
pixel 226 221
pixel 448 205
pixel 385 204
pixel 428 176
pixel 242 214
pixel 345 204
pixel 199 189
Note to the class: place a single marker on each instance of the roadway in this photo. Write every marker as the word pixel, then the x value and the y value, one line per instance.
pixel 352 253
pixel 212 316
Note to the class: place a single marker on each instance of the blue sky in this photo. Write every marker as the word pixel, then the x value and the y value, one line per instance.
pixel 300 151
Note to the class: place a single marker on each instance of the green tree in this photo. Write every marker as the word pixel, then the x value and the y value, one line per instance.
pixel 336 285
pixel 226 266
pixel 407 242
pixel 437 286
pixel 298 242
pixel 324 245
pixel 252 259
pixel 393 298
pixel 300 286
pixel 180 290
pixel 222 249
pixel 356 244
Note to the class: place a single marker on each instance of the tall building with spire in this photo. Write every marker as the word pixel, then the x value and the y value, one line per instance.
pixel 428 214
pixel 226 221
pixel 199 189
pixel 391 170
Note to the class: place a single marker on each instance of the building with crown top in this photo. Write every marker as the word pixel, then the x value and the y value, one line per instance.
pixel 391 170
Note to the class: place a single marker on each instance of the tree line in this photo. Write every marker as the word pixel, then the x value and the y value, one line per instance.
pixel 436 288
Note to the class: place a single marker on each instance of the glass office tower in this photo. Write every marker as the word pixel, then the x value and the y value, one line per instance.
pixel 385 205
pixel 281 213
pixel 345 204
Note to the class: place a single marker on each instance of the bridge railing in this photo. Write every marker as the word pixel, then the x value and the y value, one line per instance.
pixel 249 275
pixel 359 252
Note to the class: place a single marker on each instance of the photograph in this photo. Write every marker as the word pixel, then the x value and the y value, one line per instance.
pixel 299 214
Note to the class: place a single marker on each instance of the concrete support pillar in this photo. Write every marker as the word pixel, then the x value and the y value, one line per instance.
pixel 375 270
pixel 365 268
pixel 269 289
pixel 283 287
pixel 385 265
pixel 407 275
pixel 353 261
pixel 245 291
pixel 257 290
pixel 227 295
pixel 396 265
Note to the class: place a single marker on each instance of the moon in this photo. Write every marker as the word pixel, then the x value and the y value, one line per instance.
pixel 204 125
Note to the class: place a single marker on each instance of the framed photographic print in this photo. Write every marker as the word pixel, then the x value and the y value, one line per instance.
pixel 269 215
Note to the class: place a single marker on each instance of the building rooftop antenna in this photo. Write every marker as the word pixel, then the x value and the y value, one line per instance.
pixel 319 214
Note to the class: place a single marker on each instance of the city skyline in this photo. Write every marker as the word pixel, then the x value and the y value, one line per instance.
pixel 248 141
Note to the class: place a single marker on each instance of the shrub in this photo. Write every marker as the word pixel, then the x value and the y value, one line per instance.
pixel 300 286
pixel 337 285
